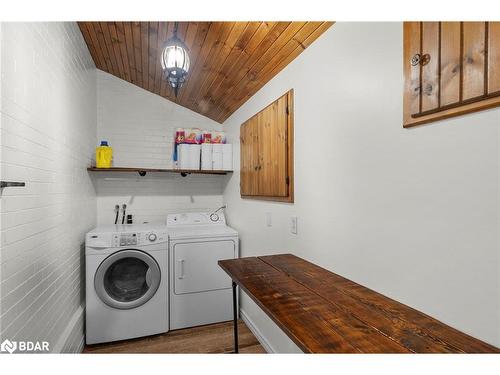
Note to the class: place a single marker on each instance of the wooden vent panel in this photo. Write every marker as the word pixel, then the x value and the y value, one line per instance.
pixel 458 70
pixel 230 61
pixel 266 158
pixel 493 57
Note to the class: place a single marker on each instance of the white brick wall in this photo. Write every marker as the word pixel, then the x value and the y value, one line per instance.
pixel 48 133
pixel 140 127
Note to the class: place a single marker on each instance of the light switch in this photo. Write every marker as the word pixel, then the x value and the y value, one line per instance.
pixel 269 219
pixel 293 224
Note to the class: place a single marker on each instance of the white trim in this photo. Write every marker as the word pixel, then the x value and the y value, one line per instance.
pixel 67 337
pixel 260 337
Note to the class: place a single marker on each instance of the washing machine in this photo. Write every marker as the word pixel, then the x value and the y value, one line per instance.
pixel 200 291
pixel 126 282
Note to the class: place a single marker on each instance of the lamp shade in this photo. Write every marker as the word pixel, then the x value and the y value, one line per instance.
pixel 175 62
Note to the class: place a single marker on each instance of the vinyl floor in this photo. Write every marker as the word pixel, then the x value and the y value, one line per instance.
pixel 213 338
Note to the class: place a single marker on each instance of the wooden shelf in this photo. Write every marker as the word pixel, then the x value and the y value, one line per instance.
pixel 143 171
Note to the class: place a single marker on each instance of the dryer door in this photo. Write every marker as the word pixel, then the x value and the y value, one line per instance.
pixel 195 266
pixel 127 279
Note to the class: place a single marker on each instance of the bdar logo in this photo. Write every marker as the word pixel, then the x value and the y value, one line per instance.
pixel 8 346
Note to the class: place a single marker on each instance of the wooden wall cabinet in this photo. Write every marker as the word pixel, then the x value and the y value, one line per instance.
pixel 266 152
pixel 450 68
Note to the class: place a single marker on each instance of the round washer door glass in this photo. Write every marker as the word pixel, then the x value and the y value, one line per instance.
pixel 127 279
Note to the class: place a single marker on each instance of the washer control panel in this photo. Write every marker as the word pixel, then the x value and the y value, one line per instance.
pixel 133 237
pixel 128 239
pixel 138 238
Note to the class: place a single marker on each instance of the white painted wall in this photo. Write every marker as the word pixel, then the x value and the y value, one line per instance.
pixel 411 213
pixel 47 139
pixel 140 127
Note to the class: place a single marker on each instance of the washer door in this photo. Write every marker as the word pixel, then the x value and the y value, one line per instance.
pixel 127 279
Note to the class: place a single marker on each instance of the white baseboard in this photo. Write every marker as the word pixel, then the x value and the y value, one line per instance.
pixel 260 337
pixel 72 334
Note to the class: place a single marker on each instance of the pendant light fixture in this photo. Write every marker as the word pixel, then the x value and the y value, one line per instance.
pixel 175 61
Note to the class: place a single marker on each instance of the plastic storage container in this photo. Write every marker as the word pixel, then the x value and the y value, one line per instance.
pixel 103 155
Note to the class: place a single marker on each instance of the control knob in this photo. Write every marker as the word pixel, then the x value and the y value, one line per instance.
pixel 152 237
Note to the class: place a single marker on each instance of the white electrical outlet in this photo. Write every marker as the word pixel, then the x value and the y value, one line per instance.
pixel 293 224
pixel 269 219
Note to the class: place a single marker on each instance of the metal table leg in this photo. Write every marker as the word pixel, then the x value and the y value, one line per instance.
pixel 235 318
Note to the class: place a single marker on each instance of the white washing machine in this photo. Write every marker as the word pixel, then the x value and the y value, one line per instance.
pixel 126 282
pixel 200 291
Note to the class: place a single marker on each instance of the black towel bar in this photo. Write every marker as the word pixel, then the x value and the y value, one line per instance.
pixel 4 184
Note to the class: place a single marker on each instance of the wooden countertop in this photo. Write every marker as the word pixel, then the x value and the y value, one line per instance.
pixel 323 312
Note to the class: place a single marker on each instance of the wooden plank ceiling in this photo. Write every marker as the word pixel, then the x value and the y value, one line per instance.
pixel 230 61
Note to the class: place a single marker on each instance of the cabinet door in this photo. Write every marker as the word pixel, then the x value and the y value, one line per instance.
pixel 267 152
pixel 273 145
pixel 450 68
pixel 245 144
pixel 249 158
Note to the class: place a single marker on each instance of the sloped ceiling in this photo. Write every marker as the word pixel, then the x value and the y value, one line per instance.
pixel 230 61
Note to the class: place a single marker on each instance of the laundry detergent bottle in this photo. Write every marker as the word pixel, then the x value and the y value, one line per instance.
pixel 103 155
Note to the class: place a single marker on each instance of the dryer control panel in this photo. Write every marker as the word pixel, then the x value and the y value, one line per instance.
pixel 196 218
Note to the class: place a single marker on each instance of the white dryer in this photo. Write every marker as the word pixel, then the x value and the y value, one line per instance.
pixel 200 291
pixel 126 282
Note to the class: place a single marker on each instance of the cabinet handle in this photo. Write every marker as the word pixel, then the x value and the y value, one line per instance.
pixel 4 184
